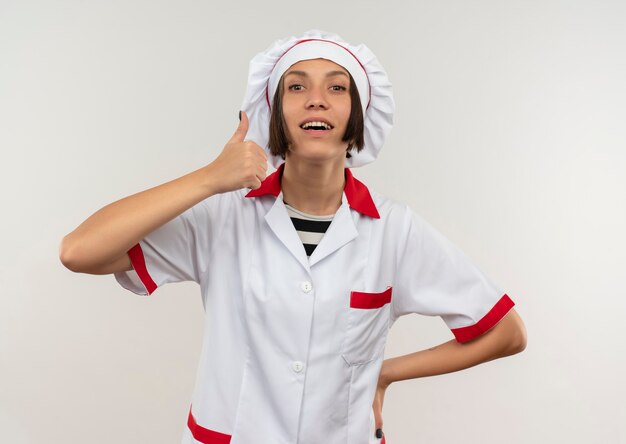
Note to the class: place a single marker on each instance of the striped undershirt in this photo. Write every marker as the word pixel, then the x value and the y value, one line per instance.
pixel 310 227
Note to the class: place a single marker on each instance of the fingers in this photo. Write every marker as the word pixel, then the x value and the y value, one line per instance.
pixel 259 177
pixel 256 167
pixel 254 186
pixel 262 171
pixel 242 129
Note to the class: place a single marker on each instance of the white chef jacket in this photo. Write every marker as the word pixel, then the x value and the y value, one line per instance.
pixel 293 346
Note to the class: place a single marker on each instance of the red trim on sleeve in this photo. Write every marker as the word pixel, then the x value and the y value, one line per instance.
pixel 360 299
pixel 497 312
pixel 139 264
pixel 206 436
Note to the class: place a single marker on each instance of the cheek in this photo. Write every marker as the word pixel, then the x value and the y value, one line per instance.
pixel 290 125
pixel 288 115
pixel 346 109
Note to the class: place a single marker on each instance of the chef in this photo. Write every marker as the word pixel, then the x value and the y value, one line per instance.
pixel 303 271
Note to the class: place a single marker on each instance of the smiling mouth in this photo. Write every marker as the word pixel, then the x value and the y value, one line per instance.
pixel 316 126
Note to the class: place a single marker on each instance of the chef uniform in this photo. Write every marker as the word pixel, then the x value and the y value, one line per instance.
pixel 293 345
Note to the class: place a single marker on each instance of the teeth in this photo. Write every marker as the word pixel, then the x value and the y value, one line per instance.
pixel 311 124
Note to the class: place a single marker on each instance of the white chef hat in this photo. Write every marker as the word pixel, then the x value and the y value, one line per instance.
pixel 267 67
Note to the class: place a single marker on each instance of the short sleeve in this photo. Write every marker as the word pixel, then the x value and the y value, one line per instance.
pixel 177 251
pixel 435 278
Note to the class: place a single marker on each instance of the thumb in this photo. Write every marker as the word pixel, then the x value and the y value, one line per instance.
pixel 242 129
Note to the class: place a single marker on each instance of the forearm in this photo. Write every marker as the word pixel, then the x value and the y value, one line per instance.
pixel 99 244
pixel 506 338
pixel 112 230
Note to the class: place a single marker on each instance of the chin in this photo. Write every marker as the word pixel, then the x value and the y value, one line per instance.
pixel 317 153
pixel 320 146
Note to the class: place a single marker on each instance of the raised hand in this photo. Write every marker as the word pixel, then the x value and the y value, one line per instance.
pixel 241 164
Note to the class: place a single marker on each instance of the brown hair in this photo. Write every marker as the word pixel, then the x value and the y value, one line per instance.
pixel 279 142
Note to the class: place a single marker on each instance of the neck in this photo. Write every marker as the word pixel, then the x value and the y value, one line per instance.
pixel 312 187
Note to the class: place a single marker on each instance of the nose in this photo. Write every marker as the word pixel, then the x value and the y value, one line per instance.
pixel 316 99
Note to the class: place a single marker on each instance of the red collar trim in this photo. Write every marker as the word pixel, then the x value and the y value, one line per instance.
pixel 357 194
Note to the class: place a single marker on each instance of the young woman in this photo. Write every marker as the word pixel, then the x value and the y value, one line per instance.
pixel 304 271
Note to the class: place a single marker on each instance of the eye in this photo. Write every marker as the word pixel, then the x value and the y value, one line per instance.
pixel 338 88
pixel 295 87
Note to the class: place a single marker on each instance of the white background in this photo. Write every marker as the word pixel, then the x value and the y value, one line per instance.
pixel 509 137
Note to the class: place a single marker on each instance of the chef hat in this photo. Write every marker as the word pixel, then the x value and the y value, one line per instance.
pixel 267 67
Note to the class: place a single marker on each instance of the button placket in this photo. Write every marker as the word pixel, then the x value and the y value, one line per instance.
pixel 297 366
pixel 306 286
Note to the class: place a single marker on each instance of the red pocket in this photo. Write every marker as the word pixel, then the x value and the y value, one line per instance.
pixel 360 299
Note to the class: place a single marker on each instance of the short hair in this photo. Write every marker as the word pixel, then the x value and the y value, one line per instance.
pixel 279 142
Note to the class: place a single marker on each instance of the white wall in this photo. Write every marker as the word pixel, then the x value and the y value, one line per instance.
pixel 509 138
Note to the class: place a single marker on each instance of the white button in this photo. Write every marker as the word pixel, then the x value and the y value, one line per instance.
pixel 306 286
pixel 297 366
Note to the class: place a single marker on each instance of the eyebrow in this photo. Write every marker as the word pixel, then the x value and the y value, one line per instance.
pixel 328 74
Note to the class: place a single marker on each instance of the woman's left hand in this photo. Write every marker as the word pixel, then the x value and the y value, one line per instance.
pixel 379 399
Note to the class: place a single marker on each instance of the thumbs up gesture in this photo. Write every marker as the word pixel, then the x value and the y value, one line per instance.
pixel 242 163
